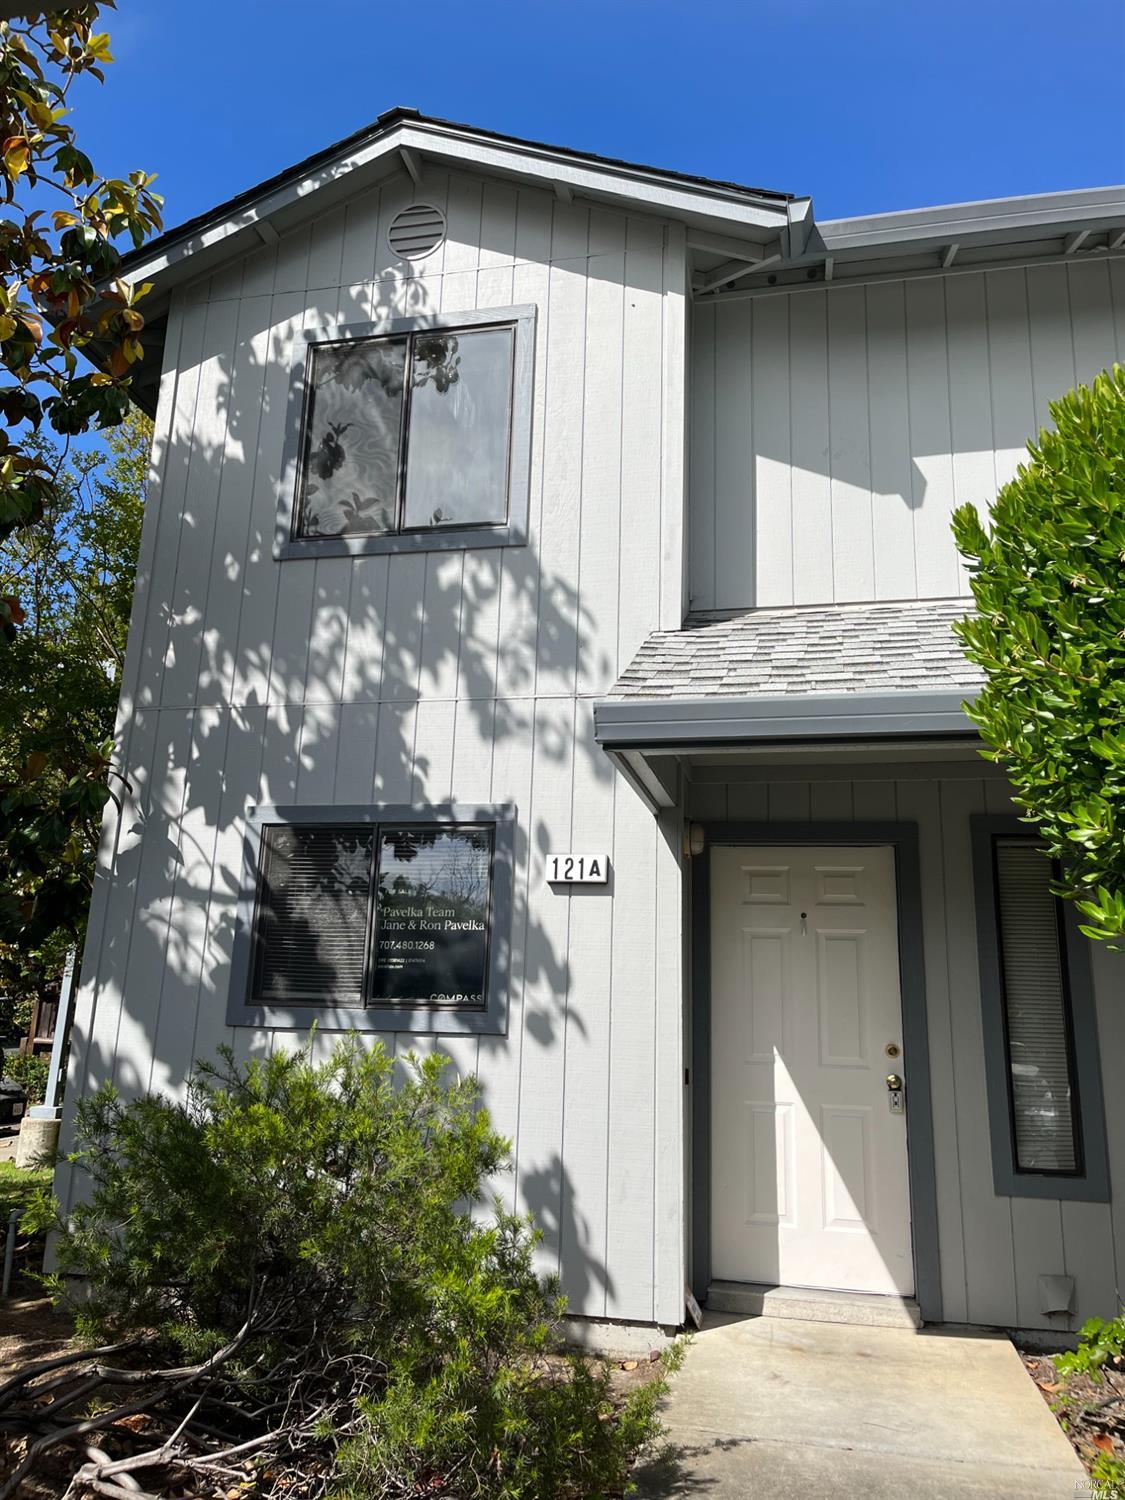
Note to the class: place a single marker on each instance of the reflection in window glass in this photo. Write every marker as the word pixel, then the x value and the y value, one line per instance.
pixel 460 413
pixel 353 426
pixel 432 916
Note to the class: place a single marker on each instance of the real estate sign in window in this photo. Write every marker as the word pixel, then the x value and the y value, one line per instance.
pixel 376 919
pixel 432 916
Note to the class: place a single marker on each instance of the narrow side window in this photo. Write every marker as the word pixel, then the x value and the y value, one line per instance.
pixel 1038 1025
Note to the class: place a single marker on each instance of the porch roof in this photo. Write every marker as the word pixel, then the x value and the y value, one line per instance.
pixel 797 651
pixel 857 672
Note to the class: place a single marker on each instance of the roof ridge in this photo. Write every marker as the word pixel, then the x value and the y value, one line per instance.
pixel 402 114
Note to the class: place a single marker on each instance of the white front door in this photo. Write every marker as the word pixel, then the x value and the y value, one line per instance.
pixel 808 1161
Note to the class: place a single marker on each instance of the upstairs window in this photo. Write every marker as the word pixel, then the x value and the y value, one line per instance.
pixel 413 436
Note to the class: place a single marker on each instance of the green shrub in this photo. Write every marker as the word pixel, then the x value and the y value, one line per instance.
pixel 323 1227
pixel 1049 584
pixel 19 1186
pixel 30 1072
pixel 1101 1342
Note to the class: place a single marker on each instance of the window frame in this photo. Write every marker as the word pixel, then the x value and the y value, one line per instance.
pixel 1091 1183
pixel 244 1010
pixel 511 533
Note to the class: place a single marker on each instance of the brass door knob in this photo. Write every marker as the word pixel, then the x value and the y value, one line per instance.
pixel 894 1082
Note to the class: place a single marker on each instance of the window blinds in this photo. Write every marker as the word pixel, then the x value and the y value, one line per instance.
pixel 313 898
pixel 1036 1011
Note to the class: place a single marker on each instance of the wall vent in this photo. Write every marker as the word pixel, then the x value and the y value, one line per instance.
pixel 417 231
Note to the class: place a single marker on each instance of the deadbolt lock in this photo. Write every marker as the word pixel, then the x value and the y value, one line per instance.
pixel 891 1049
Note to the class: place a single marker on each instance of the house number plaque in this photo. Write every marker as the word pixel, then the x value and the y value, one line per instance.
pixel 577 869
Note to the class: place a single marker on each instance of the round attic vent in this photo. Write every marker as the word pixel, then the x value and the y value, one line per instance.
pixel 417 231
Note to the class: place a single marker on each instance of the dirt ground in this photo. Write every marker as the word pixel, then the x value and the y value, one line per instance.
pixel 30 1329
pixel 1091 1413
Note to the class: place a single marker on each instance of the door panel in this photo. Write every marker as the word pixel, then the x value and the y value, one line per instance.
pixel 809 1170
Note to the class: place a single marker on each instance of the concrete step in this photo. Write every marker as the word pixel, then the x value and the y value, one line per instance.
pixel 812 1305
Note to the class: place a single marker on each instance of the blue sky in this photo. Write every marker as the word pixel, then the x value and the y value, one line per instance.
pixel 868 105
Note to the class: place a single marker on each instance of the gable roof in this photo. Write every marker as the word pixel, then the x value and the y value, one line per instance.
pixel 734 216
pixel 403 137
pixel 386 124
pixel 741 238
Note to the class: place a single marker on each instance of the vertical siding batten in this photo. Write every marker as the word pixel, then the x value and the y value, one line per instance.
pixel 936 567
pixel 849 425
pixel 772 580
pixel 109 893
pixel 887 387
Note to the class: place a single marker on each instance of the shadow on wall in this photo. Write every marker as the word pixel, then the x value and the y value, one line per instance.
pixel 834 430
pixel 408 678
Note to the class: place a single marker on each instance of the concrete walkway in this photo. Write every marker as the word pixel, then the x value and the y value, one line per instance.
pixel 770 1408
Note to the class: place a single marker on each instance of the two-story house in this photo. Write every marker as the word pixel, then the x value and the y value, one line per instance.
pixel 542 654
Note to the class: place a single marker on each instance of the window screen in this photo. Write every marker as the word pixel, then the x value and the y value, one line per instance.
pixel 407 433
pixel 1036 1012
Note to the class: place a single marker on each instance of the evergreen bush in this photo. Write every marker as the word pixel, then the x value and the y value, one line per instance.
pixel 310 1243
pixel 1049 583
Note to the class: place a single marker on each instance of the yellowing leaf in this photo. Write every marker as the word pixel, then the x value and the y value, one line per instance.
pixel 15 161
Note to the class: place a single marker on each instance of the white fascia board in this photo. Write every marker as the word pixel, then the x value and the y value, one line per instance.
pixel 999 218
pixel 635 186
pixel 670 725
pixel 736 212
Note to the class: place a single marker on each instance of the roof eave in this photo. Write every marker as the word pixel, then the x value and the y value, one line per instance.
pixel 986 221
pixel 677 725
pixel 745 213
pixel 1048 228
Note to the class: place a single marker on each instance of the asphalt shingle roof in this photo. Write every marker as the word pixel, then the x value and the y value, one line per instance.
pixel 804 651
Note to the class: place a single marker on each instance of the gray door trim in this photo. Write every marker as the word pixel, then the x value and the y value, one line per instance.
pixel 903 838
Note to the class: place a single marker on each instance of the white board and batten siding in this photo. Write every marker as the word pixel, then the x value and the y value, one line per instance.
pixel 424 678
pixel 993 1248
pixel 834 429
